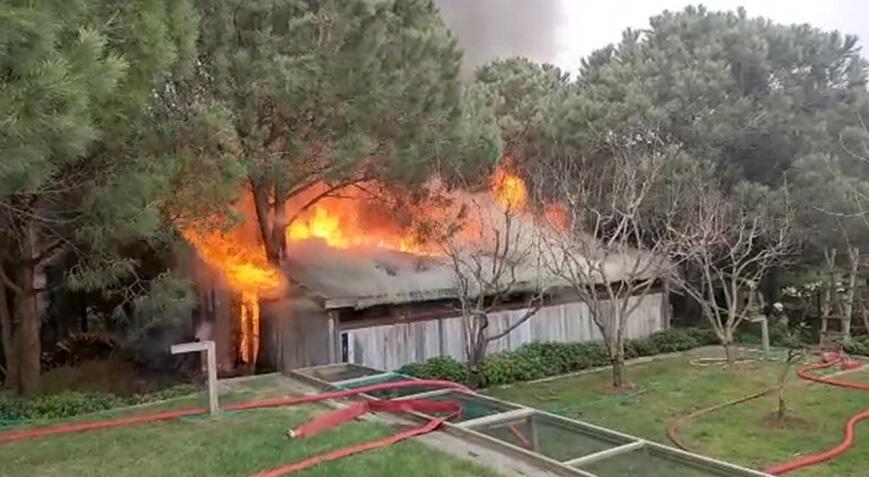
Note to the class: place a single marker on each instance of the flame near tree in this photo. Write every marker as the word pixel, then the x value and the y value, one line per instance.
pixel 349 218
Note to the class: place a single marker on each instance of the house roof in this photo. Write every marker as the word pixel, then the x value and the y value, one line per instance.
pixel 364 277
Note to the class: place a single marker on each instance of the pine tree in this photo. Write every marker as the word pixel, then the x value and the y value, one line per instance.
pixel 748 93
pixel 78 175
pixel 333 92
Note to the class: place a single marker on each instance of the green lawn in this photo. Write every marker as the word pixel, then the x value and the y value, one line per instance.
pixel 670 387
pixel 233 444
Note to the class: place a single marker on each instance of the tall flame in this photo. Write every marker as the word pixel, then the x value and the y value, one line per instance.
pixel 509 189
pixel 248 273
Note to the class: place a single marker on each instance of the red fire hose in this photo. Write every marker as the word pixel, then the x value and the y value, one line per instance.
pixel 829 360
pixel 449 409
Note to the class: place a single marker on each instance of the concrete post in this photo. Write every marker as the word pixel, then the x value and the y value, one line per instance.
pixel 208 348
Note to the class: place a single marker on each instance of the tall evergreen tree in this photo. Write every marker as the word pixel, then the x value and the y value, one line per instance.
pixel 332 92
pixel 80 173
pixel 526 97
pixel 748 93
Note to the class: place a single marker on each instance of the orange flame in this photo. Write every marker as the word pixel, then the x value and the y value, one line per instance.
pixel 250 326
pixel 247 271
pixel 509 189
pixel 353 220
pixel 350 219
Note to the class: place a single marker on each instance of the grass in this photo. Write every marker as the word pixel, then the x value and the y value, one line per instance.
pixel 670 387
pixel 232 444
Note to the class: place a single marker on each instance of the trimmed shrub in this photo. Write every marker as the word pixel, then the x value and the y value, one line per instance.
pixel 673 340
pixel 510 367
pixel 704 336
pixel 443 367
pixel 641 347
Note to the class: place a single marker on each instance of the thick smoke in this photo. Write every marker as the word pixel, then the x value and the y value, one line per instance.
pixel 492 29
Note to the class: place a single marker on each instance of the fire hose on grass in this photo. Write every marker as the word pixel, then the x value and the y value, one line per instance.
pixel 828 360
pixel 446 409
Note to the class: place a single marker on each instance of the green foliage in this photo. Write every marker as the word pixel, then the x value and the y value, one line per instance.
pixel 540 360
pixel 68 404
pixel 168 301
pixel 857 347
pixel 328 93
pixel 673 340
pixel 442 367
pixel 641 347
pixel 504 368
pixel 54 406
pixel 750 94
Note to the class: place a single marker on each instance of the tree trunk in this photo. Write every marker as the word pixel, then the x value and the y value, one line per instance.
pixel 782 407
pixel 475 364
pixel 865 315
pixel 826 302
pixel 8 336
pixel 618 370
pixel 476 349
pixel 263 207
pixel 781 412
pixel 729 349
pixel 848 306
pixel 27 333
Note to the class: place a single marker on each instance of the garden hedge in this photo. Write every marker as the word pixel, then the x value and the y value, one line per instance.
pixel 540 360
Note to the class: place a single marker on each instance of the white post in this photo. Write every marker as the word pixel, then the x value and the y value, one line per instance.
pixel 208 348
pixel 764 333
pixel 764 336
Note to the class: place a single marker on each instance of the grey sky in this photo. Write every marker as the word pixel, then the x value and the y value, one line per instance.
pixel 564 31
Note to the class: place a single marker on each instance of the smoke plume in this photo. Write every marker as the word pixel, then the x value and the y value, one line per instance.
pixel 493 29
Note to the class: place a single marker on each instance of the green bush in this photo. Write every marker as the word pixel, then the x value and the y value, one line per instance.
pixel 540 360
pixel 703 336
pixel 443 367
pixel 54 406
pixel 673 340
pixel 641 347
pixel 510 367
pixel 69 404
pixel 857 347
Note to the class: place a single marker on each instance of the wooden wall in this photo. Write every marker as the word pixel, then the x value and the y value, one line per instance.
pixel 295 333
pixel 391 346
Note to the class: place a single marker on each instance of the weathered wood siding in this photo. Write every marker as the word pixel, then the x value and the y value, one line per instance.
pixel 392 346
pixel 294 334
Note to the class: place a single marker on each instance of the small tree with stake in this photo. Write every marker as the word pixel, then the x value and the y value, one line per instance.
pixel 795 352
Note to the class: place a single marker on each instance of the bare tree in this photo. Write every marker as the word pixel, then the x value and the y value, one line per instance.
pixel 608 251
pixel 493 252
pixel 727 242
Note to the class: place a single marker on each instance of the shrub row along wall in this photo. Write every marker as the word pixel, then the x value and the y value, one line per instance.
pixel 541 360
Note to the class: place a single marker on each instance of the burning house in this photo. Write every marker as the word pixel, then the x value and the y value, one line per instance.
pixel 357 287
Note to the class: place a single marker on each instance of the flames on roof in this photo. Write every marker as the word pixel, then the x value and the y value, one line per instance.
pixel 355 224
